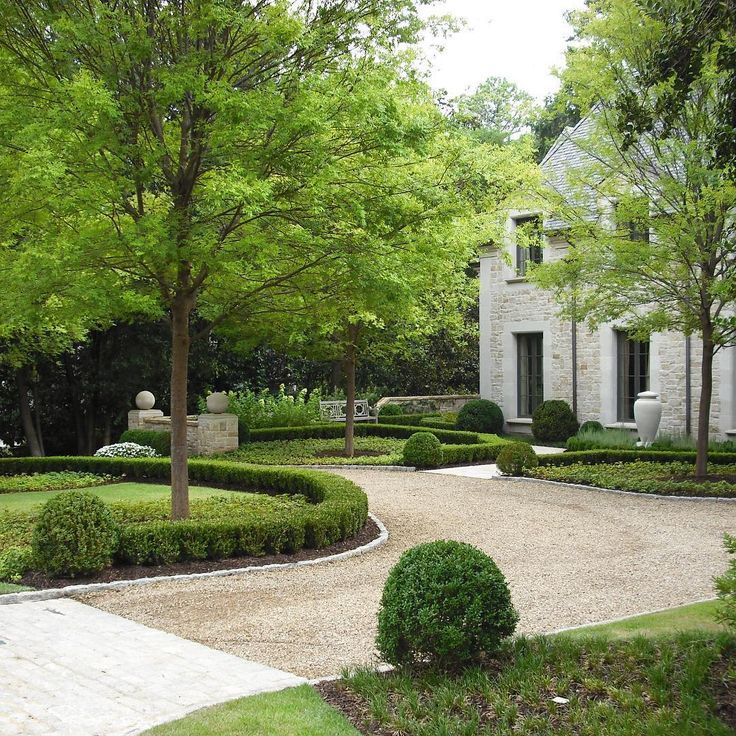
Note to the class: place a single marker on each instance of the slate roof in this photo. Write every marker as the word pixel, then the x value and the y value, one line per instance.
pixel 566 154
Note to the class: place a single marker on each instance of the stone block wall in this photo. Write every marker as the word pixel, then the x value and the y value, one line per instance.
pixel 207 434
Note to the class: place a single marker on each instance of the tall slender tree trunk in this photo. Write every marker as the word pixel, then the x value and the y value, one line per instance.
pixel 26 417
pixel 180 340
pixel 37 415
pixel 351 350
pixel 706 394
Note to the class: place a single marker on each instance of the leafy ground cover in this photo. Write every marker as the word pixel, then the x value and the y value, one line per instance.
pixel 379 451
pixel 616 681
pixel 674 479
pixel 55 481
pixel 676 686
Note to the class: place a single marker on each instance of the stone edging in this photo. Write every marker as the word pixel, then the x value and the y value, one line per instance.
pixel 72 590
pixel 638 494
pixel 627 618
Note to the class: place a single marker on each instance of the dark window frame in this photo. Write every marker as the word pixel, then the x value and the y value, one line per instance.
pixel 632 373
pixel 529 372
pixel 529 253
pixel 635 233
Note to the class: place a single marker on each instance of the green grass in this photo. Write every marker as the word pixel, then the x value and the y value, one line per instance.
pixel 10 588
pixel 305 452
pixel 695 616
pixel 295 712
pixel 673 479
pixel 108 493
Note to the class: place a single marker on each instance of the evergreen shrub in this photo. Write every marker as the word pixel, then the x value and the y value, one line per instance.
pixel 444 603
pixel 423 450
pixel 553 421
pixel 516 457
pixel 480 415
pixel 75 534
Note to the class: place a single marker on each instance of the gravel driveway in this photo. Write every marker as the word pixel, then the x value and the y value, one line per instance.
pixel 572 556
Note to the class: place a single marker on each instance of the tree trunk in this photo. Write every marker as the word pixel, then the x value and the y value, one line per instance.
pixel 706 393
pixel 37 416
pixel 26 417
pixel 180 340
pixel 349 366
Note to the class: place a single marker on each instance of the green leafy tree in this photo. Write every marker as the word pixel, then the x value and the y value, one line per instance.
pixel 496 111
pixel 187 148
pixel 652 229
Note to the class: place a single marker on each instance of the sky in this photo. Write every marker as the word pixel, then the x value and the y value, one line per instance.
pixel 518 39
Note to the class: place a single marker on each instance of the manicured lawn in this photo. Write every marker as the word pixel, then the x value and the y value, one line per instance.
pixel 673 479
pixel 319 452
pixel 10 588
pixel 108 493
pixel 295 712
pixel 700 616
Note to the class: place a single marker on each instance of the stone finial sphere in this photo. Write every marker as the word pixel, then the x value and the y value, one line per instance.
pixel 145 400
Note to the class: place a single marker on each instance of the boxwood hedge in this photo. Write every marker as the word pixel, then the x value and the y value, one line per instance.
pixel 362 429
pixel 624 456
pixel 337 508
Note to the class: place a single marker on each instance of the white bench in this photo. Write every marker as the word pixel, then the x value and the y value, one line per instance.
pixel 334 411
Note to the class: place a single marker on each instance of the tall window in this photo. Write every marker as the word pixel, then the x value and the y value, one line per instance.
pixel 529 233
pixel 530 379
pixel 633 374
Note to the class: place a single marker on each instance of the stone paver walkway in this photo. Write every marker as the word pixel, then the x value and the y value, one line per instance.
pixel 70 669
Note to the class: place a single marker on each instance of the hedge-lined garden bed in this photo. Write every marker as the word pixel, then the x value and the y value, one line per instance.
pixel 665 473
pixel 320 510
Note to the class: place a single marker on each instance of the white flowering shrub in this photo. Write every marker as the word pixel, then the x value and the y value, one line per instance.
pixel 126 449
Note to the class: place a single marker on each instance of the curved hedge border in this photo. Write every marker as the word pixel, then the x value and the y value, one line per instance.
pixel 624 456
pixel 335 430
pixel 338 508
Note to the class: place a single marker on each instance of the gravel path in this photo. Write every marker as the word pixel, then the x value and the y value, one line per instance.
pixel 572 556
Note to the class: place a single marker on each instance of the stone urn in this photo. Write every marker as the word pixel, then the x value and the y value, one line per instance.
pixel 647 413
pixel 217 403
pixel 145 400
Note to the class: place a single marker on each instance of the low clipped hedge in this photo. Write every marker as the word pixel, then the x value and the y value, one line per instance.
pixel 362 429
pixel 160 441
pixel 467 454
pixel 625 456
pixel 413 419
pixel 438 424
pixel 337 508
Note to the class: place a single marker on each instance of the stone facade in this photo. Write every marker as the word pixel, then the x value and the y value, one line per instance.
pixel 207 434
pixel 510 305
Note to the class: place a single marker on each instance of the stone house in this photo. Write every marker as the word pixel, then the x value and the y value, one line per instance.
pixel 529 354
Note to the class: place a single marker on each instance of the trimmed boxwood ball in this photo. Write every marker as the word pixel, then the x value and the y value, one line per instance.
pixel 515 458
pixel 391 410
pixel 553 421
pixel 480 415
pixel 444 603
pixel 591 426
pixel 75 535
pixel 423 450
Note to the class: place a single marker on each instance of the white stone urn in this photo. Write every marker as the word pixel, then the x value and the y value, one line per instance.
pixel 647 413
pixel 145 400
pixel 217 403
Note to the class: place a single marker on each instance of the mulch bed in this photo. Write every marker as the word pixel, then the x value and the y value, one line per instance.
pixel 353 707
pixel 132 572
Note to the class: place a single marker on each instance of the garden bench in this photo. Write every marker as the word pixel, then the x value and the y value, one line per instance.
pixel 334 411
